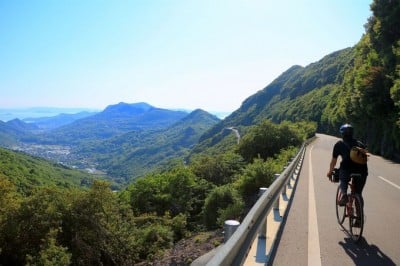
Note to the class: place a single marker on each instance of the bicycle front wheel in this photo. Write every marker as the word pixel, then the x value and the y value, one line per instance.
pixel 356 220
pixel 340 210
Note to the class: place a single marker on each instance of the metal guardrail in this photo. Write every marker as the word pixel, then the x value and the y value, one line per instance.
pixel 236 248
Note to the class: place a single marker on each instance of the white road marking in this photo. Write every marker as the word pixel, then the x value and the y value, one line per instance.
pixel 389 182
pixel 314 252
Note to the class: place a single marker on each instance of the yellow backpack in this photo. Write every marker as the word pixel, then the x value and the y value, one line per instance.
pixel 358 155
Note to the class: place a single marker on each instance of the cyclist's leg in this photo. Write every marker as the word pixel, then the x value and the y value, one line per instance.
pixel 359 186
pixel 344 178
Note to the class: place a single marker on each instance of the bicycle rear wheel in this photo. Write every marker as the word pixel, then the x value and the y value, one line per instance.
pixel 356 220
pixel 340 210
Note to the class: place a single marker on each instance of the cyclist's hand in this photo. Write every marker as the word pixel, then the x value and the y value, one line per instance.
pixel 329 175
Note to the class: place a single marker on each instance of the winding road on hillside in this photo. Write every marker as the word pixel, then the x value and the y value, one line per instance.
pixel 311 234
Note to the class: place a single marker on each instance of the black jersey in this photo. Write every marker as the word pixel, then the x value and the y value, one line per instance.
pixel 343 148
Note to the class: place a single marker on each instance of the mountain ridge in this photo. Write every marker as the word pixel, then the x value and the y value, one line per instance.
pixel 114 120
pixel 126 152
pixel 53 122
pixel 294 83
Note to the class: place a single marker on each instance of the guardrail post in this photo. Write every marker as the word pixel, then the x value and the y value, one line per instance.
pixel 276 204
pixel 289 183
pixel 230 227
pixel 284 188
pixel 263 228
pixel 296 171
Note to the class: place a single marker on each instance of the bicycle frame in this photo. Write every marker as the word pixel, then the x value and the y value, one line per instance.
pixel 352 210
pixel 350 196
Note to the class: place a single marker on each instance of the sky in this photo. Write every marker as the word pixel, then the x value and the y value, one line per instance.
pixel 186 54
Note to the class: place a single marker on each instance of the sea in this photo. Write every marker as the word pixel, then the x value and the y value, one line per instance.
pixel 35 112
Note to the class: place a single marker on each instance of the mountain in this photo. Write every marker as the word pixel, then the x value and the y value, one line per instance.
pixel 49 123
pixel 135 153
pixel 122 109
pixel 358 85
pixel 14 130
pixel 299 93
pixel 112 121
pixel 7 138
pixel 124 140
pixel 27 172
pixel 7 114
pixel 21 126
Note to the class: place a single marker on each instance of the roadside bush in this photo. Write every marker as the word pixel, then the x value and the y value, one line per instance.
pixel 267 139
pixel 153 240
pixel 258 174
pixel 219 169
pixel 222 203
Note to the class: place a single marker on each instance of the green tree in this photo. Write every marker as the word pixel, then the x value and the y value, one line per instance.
pixel 153 239
pixel 99 229
pixel 267 139
pixel 177 191
pixel 219 169
pixel 26 228
pixel 373 82
pixel 258 174
pixel 50 254
pixel 221 204
pixel 9 206
pixel 149 195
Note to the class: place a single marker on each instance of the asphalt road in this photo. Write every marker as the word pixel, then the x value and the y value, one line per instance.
pixel 311 234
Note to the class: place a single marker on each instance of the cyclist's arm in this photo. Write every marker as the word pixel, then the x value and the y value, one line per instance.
pixel 331 166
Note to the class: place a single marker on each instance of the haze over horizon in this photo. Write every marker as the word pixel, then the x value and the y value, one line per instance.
pixel 171 54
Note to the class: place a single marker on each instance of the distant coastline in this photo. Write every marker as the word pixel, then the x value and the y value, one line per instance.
pixel 7 114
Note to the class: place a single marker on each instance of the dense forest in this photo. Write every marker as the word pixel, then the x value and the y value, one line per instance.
pixel 371 89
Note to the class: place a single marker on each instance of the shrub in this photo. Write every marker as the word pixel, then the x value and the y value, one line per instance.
pixel 258 174
pixel 222 203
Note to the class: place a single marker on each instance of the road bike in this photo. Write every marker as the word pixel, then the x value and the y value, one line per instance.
pixel 353 209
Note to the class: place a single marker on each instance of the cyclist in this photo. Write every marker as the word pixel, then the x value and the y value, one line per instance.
pixel 347 166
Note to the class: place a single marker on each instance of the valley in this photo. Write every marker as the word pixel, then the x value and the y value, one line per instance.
pixel 59 154
pixel 122 142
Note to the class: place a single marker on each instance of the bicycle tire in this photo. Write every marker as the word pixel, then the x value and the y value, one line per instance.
pixel 340 210
pixel 358 213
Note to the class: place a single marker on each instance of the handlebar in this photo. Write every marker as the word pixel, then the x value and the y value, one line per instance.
pixel 334 176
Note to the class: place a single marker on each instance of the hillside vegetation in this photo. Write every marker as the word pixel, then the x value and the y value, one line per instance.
pixel 27 172
pixel 358 85
pixel 124 140
pixel 63 225
pixel 113 121
pixel 133 154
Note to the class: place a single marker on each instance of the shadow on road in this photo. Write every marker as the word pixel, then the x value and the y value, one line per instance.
pixel 363 253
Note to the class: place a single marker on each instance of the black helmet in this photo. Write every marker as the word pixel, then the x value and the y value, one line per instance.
pixel 346 130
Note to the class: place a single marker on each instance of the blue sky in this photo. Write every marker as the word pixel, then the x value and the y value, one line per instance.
pixel 168 53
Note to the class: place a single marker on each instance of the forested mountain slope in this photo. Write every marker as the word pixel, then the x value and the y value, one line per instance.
pixel 137 152
pixel 358 85
pixel 300 93
pixel 50 123
pixel 27 172
pixel 112 121
pixel 14 130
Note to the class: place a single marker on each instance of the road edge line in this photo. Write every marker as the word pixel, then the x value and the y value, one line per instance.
pixel 314 252
pixel 389 182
